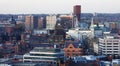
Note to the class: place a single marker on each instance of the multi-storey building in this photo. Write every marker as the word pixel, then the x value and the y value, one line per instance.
pixel 116 62
pixel 58 37
pixel 31 22
pixel 77 11
pixel 82 30
pixel 40 23
pixel 51 22
pixel 66 21
pixel 45 55
pixel 109 45
pixel 72 50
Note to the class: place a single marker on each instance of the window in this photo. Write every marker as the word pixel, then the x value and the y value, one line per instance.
pixel 74 54
pixel 109 43
pixel 73 50
pixel 116 49
pixel 68 54
pixel 115 43
pixel 80 50
pixel 104 49
pixel 108 51
pixel 109 46
pixel 70 47
pixel 68 50
pixel 115 46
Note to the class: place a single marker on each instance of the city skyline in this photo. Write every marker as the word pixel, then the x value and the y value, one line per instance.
pixel 57 6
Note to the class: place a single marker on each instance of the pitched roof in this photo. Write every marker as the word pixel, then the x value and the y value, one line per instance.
pixel 76 44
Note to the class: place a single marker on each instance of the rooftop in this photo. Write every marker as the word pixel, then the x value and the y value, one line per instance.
pixel 111 36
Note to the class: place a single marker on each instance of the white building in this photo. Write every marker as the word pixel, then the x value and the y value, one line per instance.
pixel 95 45
pixel 51 22
pixel 116 62
pixel 109 45
pixel 79 34
pixel 39 32
pixel 82 31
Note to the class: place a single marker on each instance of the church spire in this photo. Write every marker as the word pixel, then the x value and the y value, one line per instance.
pixel 92 26
pixel 76 23
pixel 92 23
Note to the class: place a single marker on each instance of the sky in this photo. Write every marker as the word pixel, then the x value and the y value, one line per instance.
pixel 58 6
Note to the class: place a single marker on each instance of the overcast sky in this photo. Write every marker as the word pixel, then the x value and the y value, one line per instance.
pixel 57 6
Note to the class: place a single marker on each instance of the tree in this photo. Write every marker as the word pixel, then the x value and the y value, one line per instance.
pixel 19 27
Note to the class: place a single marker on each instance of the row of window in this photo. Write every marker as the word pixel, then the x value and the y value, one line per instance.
pixel 110 46
pixel 74 54
pixel 51 55
pixel 46 50
pixel 111 49
pixel 109 43
pixel 73 51
pixel 38 58
pixel 40 63
pixel 110 52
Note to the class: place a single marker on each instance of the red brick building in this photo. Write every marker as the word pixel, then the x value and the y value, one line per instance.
pixel 73 50
pixel 77 11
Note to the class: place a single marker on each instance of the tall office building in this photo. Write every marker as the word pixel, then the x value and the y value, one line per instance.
pixel 77 11
pixel 31 22
pixel 35 22
pixel 51 22
pixel 40 23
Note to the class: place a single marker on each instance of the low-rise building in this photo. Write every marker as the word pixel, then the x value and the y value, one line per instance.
pixel 72 50
pixel 45 55
pixel 89 60
pixel 105 63
pixel 116 62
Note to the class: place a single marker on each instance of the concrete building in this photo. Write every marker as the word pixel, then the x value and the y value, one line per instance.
pixel 7 27
pixel 95 46
pixel 66 21
pixel 98 31
pixel 40 23
pixel 51 22
pixel 82 30
pixel 45 55
pixel 88 60
pixel 39 32
pixel 31 22
pixel 58 37
pixel 109 45
pixel 35 21
pixel 116 62
pixel 105 63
